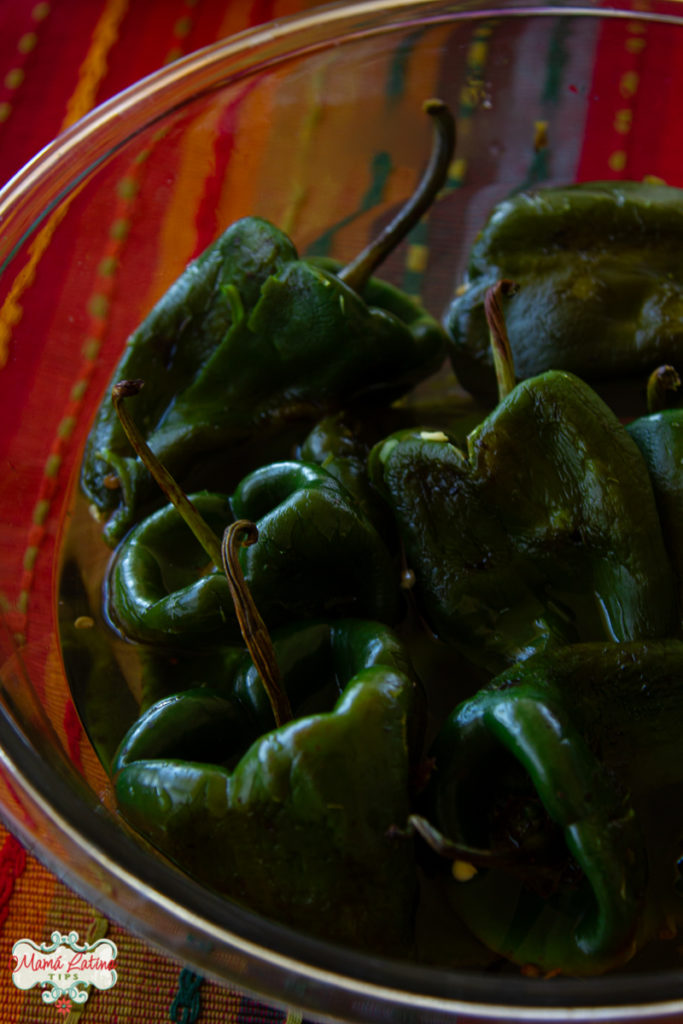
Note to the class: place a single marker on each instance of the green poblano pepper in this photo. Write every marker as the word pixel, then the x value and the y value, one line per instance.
pixel 561 783
pixel 599 272
pixel 660 439
pixel 316 661
pixel 543 532
pixel 249 339
pixel 252 339
pixel 337 443
pixel 304 828
pixel 316 554
pixel 226 706
pixel 341 443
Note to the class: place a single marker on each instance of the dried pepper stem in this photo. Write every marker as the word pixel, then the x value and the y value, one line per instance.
pixel 253 628
pixel 223 553
pixel 200 528
pixel 500 342
pixel 357 273
pixel 476 856
pixel 660 384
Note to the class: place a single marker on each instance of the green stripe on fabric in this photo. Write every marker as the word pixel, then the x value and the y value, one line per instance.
pixel 379 175
pixel 187 1002
pixel 417 253
pixel 539 166
pixel 398 71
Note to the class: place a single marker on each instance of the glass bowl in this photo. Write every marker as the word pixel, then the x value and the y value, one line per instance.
pixel 314 122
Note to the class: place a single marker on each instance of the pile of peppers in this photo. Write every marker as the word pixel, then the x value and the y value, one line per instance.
pixel 384 652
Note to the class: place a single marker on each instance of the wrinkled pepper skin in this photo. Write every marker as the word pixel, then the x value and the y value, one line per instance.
pixel 545 532
pixel 314 660
pixel 337 443
pixel 194 725
pixel 158 589
pixel 659 437
pixel 342 442
pixel 568 767
pixel 247 341
pixel 599 272
pixel 315 663
pixel 226 708
pixel 306 828
pixel 316 554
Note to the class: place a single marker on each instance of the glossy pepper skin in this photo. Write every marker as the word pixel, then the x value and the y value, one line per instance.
pixel 544 532
pixel 659 437
pixel 96 682
pixel 225 704
pixel 316 554
pixel 599 272
pixel 567 767
pixel 316 661
pixel 249 340
pixel 305 827
pixel 340 444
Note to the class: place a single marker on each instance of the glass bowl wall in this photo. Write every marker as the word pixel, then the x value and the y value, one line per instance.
pixel 316 124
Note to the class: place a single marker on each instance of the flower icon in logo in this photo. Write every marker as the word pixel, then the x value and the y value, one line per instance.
pixel 63 1005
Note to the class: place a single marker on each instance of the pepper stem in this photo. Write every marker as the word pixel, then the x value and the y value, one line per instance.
pixel 223 553
pixel 252 626
pixel 501 351
pixel 358 272
pixel 200 528
pixel 661 383
pixel 478 857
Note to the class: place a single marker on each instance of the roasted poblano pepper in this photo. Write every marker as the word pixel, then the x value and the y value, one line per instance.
pixel 659 437
pixel 317 554
pixel 304 827
pixel 560 785
pixel 545 531
pixel 599 272
pixel 340 444
pixel 251 339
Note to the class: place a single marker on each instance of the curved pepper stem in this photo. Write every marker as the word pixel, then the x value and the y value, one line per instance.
pixel 465 853
pixel 501 349
pixel 252 626
pixel 223 553
pixel 358 272
pixel 202 531
pixel 660 384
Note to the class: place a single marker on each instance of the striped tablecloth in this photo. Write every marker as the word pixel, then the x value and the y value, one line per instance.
pixel 60 58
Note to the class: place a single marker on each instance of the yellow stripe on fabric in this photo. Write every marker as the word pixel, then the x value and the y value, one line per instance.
pixel 178 237
pixel 241 190
pixel 378 121
pixel 299 180
pixel 309 175
pixel 91 73
pixel 94 67
pixel 179 243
